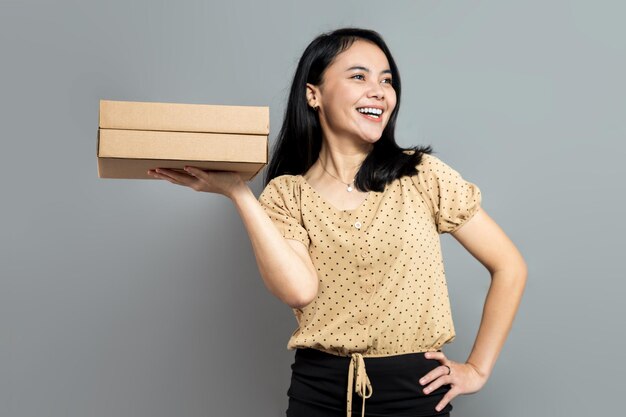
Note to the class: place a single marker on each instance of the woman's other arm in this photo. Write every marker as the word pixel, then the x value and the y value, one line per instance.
pixel 488 243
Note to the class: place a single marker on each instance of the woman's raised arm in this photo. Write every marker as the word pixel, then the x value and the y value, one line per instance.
pixel 284 264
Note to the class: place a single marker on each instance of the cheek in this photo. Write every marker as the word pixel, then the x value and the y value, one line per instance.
pixel 333 101
pixel 392 97
pixel 392 103
pixel 336 111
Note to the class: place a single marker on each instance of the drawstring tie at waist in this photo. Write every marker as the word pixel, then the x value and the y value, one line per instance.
pixel 361 383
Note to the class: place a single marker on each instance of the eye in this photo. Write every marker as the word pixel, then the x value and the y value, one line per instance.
pixel 389 80
pixel 358 75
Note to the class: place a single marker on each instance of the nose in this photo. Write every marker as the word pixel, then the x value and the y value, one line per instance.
pixel 376 90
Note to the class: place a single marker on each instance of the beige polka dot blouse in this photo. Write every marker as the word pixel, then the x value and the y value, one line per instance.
pixel 382 286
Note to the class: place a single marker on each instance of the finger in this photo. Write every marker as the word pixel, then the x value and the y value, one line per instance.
pixel 155 174
pixel 435 355
pixel 165 177
pixel 179 178
pixel 197 172
pixel 177 175
pixel 434 374
pixel 193 170
pixel 172 177
pixel 446 399
pixel 442 380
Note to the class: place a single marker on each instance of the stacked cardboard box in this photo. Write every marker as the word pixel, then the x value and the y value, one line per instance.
pixel 134 137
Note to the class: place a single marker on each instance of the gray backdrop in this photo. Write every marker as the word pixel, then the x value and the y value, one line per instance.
pixel 141 298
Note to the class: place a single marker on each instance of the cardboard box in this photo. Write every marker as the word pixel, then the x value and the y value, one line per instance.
pixel 134 137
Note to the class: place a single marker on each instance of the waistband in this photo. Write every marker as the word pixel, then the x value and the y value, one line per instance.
pixel 357 375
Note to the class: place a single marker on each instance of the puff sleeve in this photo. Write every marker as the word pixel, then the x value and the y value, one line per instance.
pixel 452 199
pixel 281 201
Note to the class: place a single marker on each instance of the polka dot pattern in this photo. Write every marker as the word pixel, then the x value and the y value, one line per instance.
pixel 382 286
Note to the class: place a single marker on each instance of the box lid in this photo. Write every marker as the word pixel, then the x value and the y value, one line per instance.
pixel 136 115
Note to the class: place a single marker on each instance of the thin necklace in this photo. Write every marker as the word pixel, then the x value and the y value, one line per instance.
pixel 349 185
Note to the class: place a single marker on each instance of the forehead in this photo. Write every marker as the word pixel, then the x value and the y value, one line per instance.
pixel 362 53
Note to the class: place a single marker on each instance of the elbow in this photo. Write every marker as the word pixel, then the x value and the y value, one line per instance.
pixel 511 266
pixel 301 303
pixel 304 298
pixel 521 271
pixel 517 274
pixel 514 272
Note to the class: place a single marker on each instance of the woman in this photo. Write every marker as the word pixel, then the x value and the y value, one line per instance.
pixel 346 232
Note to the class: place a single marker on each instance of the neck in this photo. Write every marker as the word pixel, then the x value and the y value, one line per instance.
pixel 343 163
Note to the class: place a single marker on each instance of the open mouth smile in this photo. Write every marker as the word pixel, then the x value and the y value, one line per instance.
pixel 371 113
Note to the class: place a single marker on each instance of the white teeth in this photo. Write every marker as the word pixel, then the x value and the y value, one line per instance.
pixel 370 110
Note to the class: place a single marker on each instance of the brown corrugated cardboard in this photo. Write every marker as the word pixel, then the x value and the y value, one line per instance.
pixel 123 168
pixel 116 143
pixel 166 135
pixel 131 153
pixel 181 117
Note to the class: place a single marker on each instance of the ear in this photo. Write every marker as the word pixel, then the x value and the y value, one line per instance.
pixel 312 95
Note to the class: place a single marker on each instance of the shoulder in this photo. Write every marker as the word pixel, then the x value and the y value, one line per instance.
pixel 435 175
pixel 284 183
pixel 284 187
pixel 426 159
pixel 429 165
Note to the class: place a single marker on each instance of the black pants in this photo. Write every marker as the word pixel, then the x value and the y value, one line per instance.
pixel 319 383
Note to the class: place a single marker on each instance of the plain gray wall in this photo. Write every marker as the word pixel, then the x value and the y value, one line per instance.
pixel 142 298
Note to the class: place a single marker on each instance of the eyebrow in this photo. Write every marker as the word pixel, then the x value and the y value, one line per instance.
pixel 358 67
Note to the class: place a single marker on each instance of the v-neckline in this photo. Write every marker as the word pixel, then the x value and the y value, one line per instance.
pixel 367 199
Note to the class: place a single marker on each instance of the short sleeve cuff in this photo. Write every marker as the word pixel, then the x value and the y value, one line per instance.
pixel 456 215
pixel 281 201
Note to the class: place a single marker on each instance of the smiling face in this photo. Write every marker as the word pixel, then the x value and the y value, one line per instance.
pixel 356 96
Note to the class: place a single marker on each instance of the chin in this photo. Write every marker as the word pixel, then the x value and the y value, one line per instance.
pixel 371 140
pixel 372 136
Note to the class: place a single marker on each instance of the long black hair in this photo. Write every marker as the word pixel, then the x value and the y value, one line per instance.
pixel 300 138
